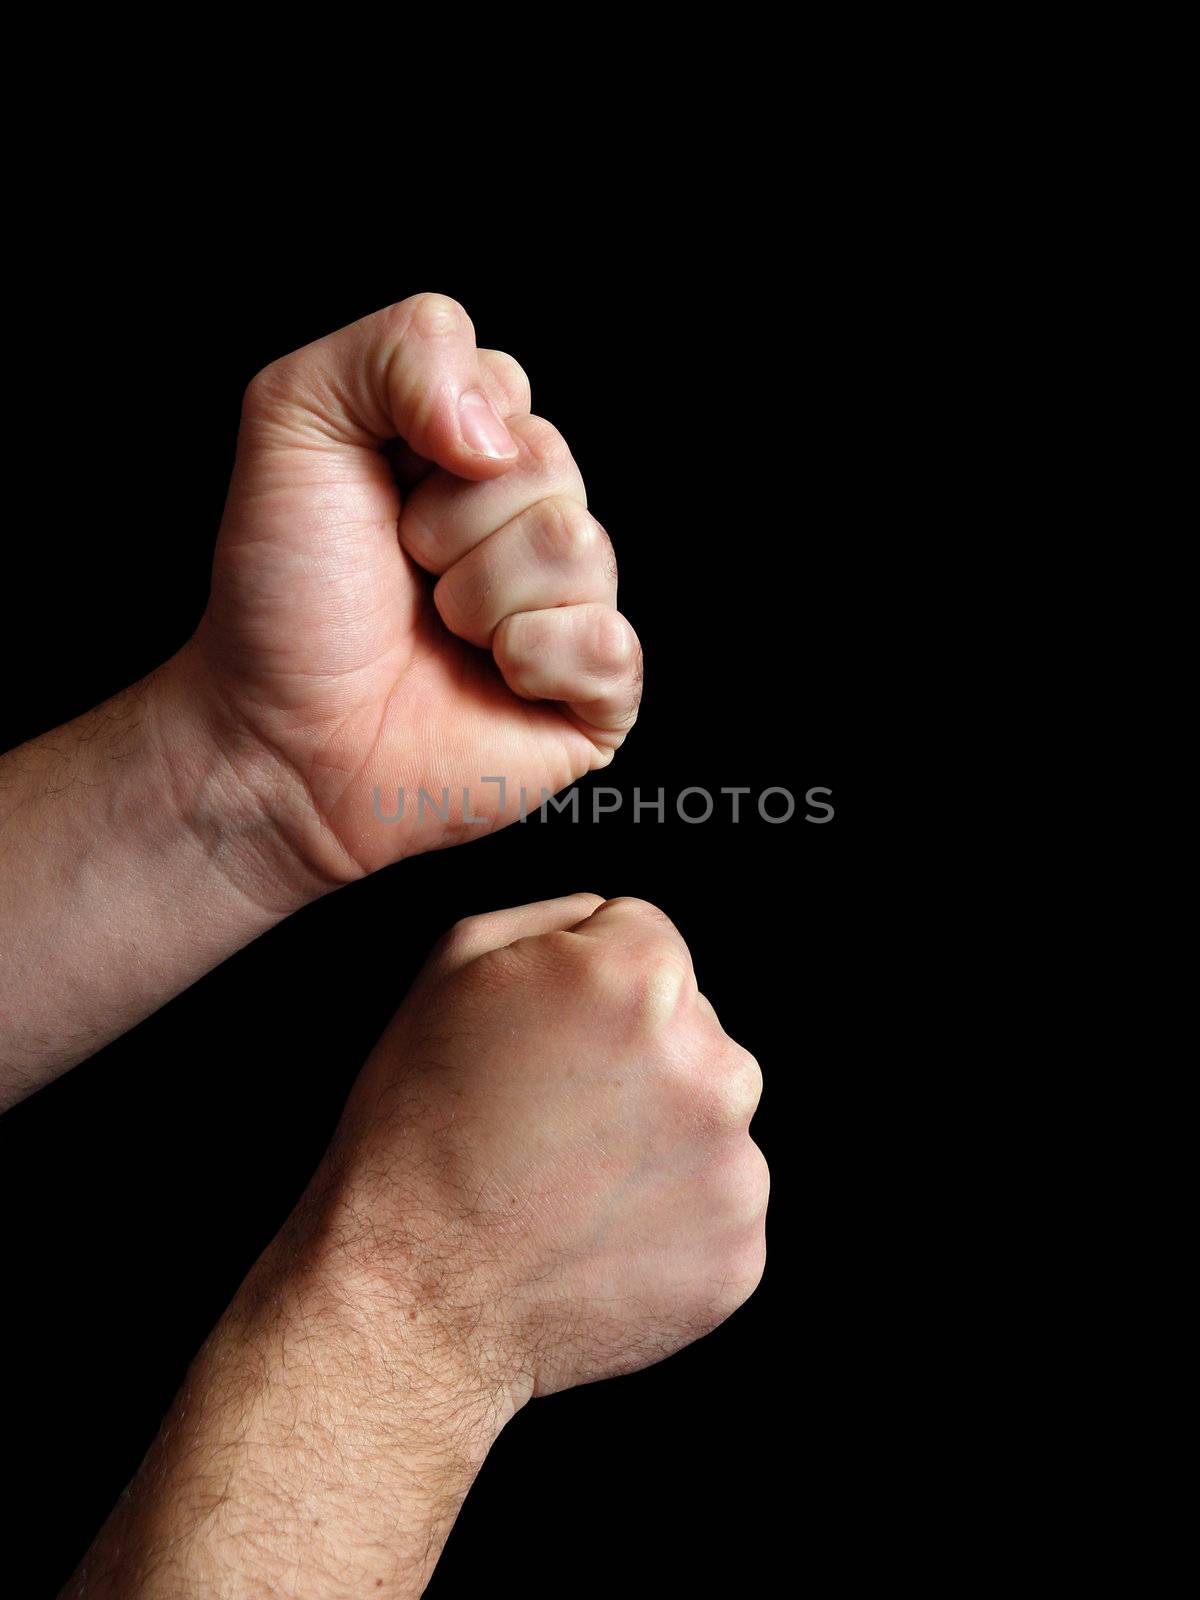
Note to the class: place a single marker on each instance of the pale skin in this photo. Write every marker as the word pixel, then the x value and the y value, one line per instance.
pixel 505 1211
pixel 142 844
pixel 544 1174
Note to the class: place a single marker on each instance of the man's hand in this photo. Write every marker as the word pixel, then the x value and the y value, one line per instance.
pixel 323 656
pixel 329 688
pixel 548 1155
pixel 544 1176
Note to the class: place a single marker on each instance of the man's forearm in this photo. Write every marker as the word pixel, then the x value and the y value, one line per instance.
pixel 139 846
pixel 322 1446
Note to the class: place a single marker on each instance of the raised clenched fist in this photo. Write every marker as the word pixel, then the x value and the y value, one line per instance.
pixel 544 1173
pixel 331 671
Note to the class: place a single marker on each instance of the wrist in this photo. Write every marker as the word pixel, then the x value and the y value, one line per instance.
pixel 404 1382
pixel 401 1279
pixel 154 835
pixel 251 810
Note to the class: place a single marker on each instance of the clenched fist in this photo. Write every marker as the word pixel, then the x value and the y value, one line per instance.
pixel 545 1170
pixel 332 670
pixel 412 619
pixel 543 1177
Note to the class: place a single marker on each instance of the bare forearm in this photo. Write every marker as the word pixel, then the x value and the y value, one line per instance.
pixel 322 1447
pixel 136 852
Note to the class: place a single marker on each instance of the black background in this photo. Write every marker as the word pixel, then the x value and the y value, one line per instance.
pixel 741 406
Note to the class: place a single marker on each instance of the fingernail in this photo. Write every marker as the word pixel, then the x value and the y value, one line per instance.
pixel 481 427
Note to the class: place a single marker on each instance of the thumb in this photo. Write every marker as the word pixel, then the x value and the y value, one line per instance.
pixel 491 929
pixel 411 371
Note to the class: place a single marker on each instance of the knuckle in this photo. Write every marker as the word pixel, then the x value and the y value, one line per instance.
pixel 654 982
pixel 659 985
pixel 430 316
pixel 744 1086
pixel 720 1095
pixel 611 644
pixel 643 988
pixel 745 1264
pixel 737 1190
pixel 565 531
pixel 753 1182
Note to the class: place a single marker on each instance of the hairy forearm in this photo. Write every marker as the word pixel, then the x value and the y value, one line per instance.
pixel 139 846
pixel 322 1446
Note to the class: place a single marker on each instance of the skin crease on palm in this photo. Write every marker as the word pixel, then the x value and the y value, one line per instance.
pixel 322 644
pixel 572 1213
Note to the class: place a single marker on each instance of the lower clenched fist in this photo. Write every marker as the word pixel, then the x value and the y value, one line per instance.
pixel 546 1162
pixel 543 1176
